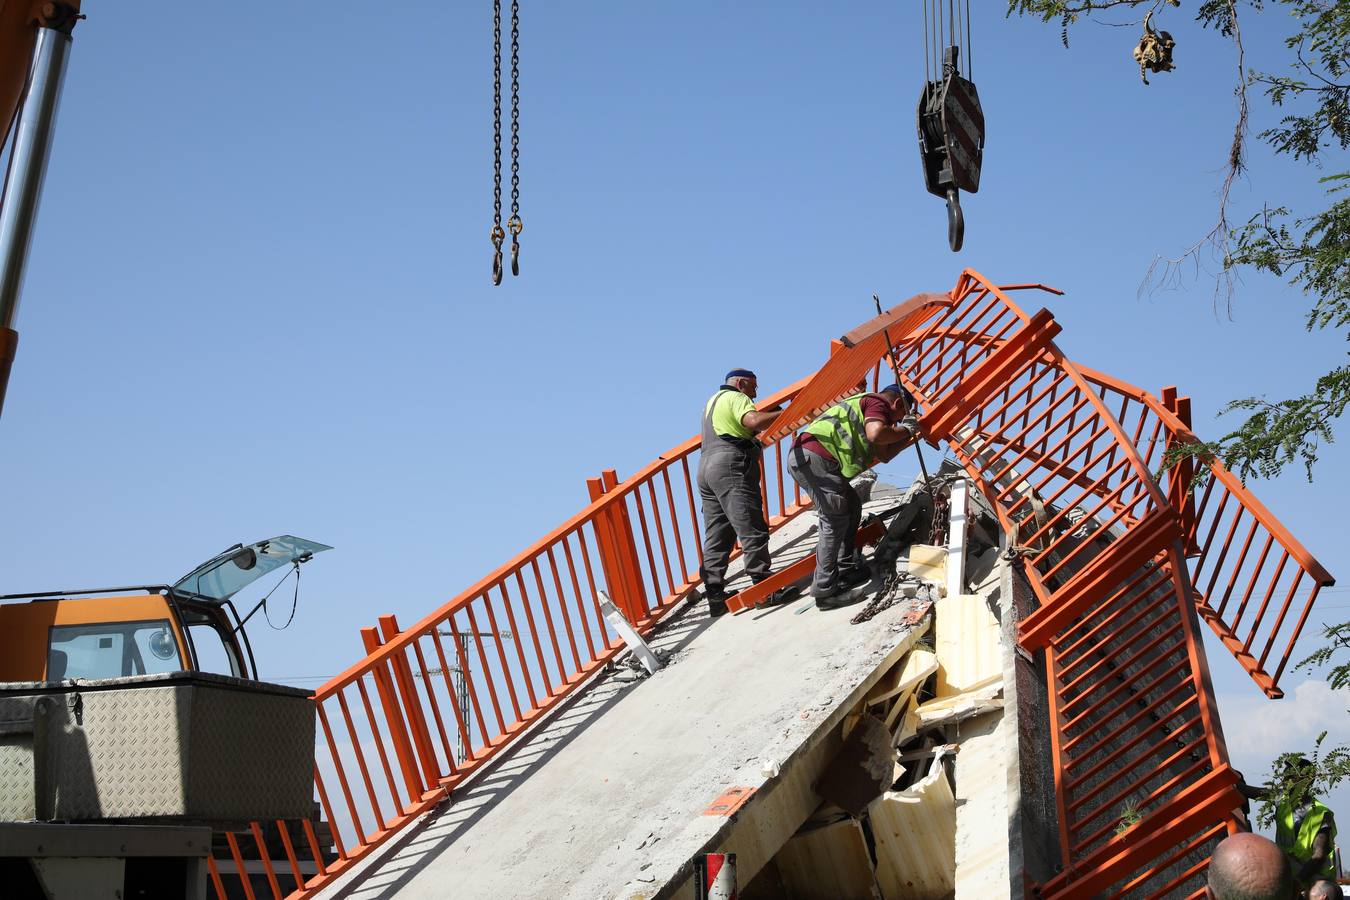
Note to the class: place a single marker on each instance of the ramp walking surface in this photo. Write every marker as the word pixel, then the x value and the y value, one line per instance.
pixel 608 798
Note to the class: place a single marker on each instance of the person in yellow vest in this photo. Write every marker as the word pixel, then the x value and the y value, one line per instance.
pixel 1305 828
pixel 843 441
pixel 729 485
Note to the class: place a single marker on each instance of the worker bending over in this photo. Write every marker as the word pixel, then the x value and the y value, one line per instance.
pixel 729 483
pixel 846 439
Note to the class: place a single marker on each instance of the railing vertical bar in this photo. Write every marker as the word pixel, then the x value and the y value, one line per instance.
pixel 660 528
pixel 435 705
pixel 675 524
pixel 1298 629
pixel 657 594
pixel 239 865
pixel 361 762
pixel 520 648
pixel 266 860
pixel 476 634
pixel 562 608
pixel 1279 619
pixel 534 629
pixel 1252 580
pixel 693 514
pixel 285 833
pixel 453 693
pixel 466 672
pixel 778 451
pixel 328 811
pixel 342 778
pixel 590 581
pixel 379 744
pixel 576 591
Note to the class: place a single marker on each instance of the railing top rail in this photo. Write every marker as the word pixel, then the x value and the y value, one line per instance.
pixel 862 348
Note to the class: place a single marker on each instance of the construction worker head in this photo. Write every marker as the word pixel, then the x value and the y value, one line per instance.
pixel 1298 773
pixel 744 381
pixel 1248 866
pixel 1325 890
pixel 900 398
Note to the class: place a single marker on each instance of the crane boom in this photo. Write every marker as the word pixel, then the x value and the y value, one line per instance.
pixel 34 45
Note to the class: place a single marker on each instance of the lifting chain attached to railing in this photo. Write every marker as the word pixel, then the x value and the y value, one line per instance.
pixel 514 223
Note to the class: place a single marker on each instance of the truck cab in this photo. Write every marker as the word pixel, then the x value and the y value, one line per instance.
pixel 191 625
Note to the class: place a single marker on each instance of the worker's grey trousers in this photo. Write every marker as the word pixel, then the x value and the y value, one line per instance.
pixel 728 482
pixel 838 515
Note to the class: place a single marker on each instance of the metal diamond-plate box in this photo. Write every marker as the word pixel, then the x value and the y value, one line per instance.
pixel 187 746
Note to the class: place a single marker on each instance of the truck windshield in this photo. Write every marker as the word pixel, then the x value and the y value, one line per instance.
pixel 112 650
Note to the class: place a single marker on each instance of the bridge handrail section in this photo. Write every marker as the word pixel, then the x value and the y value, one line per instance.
pixel 1243 560
pixel 1142 781
pixel 432 704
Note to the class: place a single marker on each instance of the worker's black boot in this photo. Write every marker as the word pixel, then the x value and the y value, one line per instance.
pixel 855 574
pixel 717 603
pixel 844 596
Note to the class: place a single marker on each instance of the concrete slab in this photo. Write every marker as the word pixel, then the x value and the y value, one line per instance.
pixel 608 798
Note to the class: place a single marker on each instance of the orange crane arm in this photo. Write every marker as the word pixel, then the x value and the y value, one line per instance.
pixel 21 23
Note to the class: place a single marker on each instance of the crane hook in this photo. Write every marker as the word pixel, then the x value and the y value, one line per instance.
pixel 498 235
pixel 956 220
pixel 516 227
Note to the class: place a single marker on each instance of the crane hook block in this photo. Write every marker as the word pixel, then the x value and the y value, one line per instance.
pixel 951 140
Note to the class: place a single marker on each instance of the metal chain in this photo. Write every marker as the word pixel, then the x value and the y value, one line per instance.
pixel 884 600
pixel 514 223
pixel 498 234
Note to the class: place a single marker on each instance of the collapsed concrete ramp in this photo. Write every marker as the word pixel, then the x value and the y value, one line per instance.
pixel 622 788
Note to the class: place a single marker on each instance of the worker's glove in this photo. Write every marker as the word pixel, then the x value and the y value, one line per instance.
pixel 910 423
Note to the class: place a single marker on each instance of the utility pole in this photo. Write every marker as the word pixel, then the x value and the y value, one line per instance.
pixel 461 681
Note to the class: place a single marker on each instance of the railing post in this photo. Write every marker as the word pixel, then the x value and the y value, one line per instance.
pixel 393 716
pixel 1182 473
pixel 417 719
pixel 614 533
pixel 626 540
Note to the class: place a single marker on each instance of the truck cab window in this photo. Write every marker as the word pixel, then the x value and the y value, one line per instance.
pixel 112 650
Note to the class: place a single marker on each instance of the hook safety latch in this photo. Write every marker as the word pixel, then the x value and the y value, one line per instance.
pixel 516 226
pixel 498 235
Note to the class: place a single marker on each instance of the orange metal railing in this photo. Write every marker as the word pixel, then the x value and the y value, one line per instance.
pixel 1254 583
pixel 1135 735
pixel 1066 455
pixel 397 734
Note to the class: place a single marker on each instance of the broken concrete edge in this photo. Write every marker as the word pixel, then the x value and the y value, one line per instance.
pixel 674 880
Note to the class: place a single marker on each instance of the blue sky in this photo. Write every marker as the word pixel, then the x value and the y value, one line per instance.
pixel 258 300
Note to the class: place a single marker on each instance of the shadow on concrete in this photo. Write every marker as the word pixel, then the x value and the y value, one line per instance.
pixel 437 833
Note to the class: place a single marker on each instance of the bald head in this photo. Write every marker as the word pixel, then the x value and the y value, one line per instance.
pixel 1325 890
pixel 1249 867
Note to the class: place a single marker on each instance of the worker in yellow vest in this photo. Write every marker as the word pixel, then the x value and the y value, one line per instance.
pixel 842 442
pixel 729 485
pixel 1305 828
